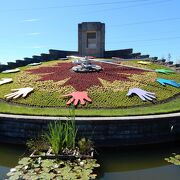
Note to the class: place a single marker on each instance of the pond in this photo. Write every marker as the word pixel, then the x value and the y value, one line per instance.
pixel 130 163
pixel 9 155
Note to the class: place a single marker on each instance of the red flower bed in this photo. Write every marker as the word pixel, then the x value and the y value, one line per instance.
pixel 82 81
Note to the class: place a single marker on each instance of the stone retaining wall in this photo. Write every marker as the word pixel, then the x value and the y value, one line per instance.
pixel 58 54
pixel 115 131
pixel 122 53
pixel 52 55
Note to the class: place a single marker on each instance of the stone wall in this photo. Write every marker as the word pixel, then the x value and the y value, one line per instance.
pixel 56 54
pixel 117 131
pixel 52 55
pixel 135 55
pixel 144 56
pixel 122 53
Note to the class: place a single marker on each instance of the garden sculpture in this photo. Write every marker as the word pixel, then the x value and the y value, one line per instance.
pixel 144 62
pixel 78 96
pixel 168 82
pixel 164 71
pixel 144 95
pixel 5 80
pixel 11 71
pixel 73 57
pixel 16 93
pixel 85 65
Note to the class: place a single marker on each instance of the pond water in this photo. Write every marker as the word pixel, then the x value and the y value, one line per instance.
pixel 142 163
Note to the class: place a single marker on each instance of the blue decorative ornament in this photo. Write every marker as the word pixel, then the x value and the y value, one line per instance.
pixel 168 82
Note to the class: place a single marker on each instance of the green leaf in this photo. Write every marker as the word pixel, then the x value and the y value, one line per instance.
pixel 14 177
pixel 24 161
pixel 174 160
pixel 47 163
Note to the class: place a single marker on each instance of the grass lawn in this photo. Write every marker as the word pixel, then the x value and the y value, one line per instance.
pixel 173 106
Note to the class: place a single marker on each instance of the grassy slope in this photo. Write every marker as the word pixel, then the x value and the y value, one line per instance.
pixel 173 106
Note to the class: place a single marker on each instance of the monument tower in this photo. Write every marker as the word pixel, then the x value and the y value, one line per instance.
pixel 91 39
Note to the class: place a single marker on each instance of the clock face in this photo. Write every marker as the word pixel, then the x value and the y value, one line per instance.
pixel 55 84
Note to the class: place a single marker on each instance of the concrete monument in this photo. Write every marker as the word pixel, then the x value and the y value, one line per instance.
pixel 91 39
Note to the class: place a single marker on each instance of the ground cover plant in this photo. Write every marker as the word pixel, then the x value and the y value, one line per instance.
pixel 107 88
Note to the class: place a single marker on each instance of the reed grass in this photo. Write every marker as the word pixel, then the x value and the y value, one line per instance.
pixel 55 136
pixel 62 135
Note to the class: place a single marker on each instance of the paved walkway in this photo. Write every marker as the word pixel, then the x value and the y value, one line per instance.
pixel 161 116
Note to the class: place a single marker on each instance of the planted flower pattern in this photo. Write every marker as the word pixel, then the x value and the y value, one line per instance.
pixel 106 89
pixel 83 81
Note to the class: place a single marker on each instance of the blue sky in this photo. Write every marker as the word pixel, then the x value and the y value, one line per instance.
pixel 33 27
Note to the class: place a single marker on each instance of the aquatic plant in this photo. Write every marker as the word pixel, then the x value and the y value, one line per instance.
pixel 70 130
pixel 39 144
pixel 38 168
pixel 85 145
pixel 175 159
pixel 62 135
pixel 55 136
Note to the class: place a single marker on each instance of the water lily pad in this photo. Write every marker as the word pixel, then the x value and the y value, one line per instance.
pixel 93 176
pixel 53 169
pixel 24 161
pixel 65 170
pixel 47 176
pixel 47 163
pixel 36 165
pixel 14 177
pixel 45 169
pixel 174 160
pixel 177 157
pixel 10 173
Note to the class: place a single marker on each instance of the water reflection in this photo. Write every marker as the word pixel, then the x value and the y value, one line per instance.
pixel 170 172
pixel 145 162
pixel 9 154
pixel 3 172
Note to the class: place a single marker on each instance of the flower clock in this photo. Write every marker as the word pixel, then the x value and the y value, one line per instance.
pixel 114 85
pixel 82 82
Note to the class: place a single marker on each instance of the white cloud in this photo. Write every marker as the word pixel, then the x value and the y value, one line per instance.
pixel 30 20
pixel 34 47
pixel 38 46
pixel 33 34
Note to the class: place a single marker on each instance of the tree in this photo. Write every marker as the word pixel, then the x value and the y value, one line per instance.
pixel 169 57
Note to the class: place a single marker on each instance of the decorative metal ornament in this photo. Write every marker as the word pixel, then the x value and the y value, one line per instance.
pixel 168 82
pixel 35 64
pixel 144 95
pixel 164 71
pixel 16 93
pixel 78 96
pixel 5 80
pixel 11 71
